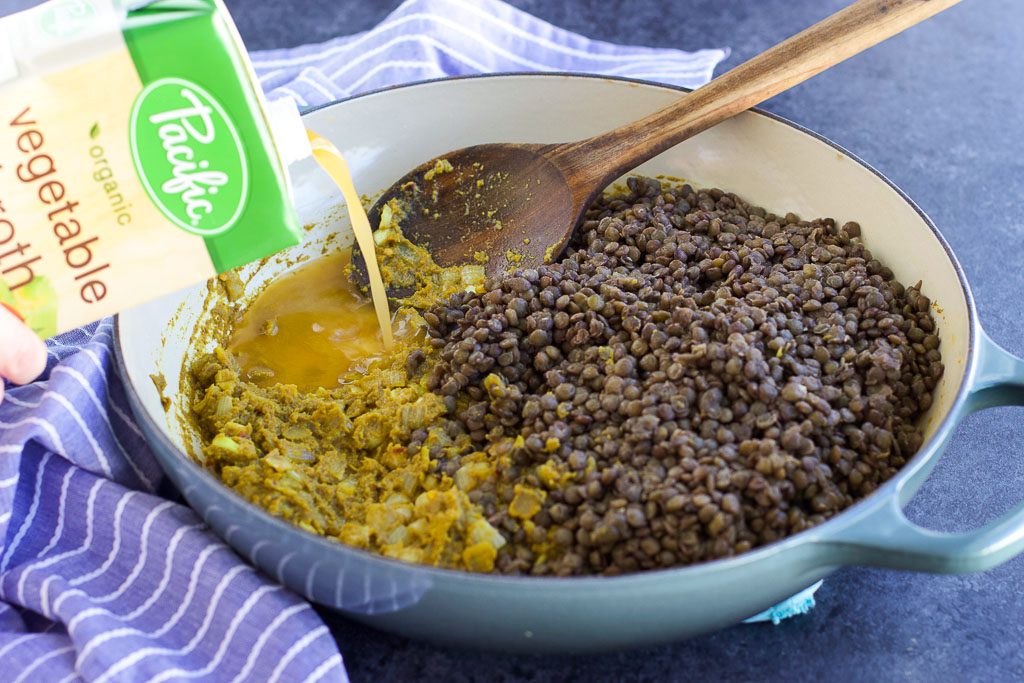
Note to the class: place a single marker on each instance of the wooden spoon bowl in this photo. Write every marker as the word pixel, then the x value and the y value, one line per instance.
pixel 509 202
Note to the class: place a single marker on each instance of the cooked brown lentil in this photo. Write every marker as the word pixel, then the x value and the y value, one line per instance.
pixel 711 376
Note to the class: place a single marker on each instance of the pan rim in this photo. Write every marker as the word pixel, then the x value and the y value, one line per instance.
pixel 815 535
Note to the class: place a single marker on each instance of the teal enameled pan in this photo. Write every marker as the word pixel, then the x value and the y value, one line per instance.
pixel 767 160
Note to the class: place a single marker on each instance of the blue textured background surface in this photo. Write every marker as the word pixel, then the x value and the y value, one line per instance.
pixel 940 110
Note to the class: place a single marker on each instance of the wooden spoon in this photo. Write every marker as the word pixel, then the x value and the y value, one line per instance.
pixel 519 203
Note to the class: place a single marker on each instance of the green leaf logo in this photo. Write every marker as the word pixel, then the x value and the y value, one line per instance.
pixel 37 302
pixel 94 132
pixel 189 156
pixel 67 18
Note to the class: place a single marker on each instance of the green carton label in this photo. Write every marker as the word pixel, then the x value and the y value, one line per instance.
pixel 189 156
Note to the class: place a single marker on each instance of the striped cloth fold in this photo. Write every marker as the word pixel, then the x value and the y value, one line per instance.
pixel 425 39
pixel 103 576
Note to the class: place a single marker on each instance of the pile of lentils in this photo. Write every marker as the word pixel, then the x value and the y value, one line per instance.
pixel 717 377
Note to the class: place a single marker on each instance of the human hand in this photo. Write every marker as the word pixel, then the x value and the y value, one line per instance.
pixel 22 353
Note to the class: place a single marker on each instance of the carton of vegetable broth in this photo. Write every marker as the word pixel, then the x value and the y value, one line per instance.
pixel 137 157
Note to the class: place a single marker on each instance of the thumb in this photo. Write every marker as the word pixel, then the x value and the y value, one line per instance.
pixel 22 353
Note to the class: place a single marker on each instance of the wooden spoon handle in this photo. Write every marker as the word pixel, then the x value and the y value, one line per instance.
pixel 595 162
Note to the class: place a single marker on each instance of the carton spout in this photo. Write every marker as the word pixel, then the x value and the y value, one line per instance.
pixel 288 131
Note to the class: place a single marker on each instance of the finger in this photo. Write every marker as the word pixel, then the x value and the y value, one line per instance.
pixel 22 353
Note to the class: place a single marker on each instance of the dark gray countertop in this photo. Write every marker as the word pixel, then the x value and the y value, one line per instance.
pixel 940 110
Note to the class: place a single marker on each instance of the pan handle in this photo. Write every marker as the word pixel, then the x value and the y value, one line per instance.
pixel 886 538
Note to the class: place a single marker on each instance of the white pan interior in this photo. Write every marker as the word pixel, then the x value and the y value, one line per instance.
pixel 763 160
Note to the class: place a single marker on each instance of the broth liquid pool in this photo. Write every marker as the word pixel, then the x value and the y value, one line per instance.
pixel 307 328
pixel 330 159
pixel 310 326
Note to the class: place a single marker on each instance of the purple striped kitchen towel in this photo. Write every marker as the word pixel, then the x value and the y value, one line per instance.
pixel 102 578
